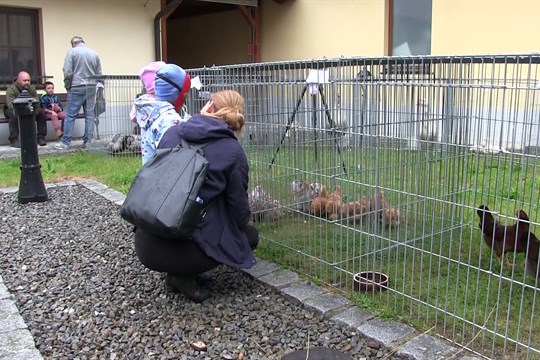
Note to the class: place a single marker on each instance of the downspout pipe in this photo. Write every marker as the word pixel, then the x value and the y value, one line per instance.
pixel 165 12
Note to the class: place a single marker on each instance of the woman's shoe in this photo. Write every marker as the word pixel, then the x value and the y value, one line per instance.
pixel 187 286
pixel 204 279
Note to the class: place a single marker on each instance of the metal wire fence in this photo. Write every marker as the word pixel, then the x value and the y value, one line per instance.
pixel 400 152
pixel 114 131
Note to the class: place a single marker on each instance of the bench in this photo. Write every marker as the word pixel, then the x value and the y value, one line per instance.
pixel 3 100
pixel 4 120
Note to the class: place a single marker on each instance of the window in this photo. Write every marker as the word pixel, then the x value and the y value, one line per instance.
pixel 410 22
pixel 19 44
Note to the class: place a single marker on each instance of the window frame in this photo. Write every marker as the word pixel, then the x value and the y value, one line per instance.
pixel 390 28
pixel 35 15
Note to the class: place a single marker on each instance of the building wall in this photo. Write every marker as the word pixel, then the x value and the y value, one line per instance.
pixel 122 35
pixel 215 39
pixel 485 26
pixel 306 29
pixel 122 31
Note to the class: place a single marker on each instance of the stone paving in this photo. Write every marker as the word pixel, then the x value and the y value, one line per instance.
pixel 16 342
pixel 7 152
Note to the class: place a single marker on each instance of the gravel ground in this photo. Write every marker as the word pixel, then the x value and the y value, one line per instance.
pixel 71 266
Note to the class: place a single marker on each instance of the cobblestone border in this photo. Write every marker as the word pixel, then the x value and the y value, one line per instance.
pixel 17 343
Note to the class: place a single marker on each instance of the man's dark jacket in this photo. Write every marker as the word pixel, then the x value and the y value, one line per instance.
pixel 13 92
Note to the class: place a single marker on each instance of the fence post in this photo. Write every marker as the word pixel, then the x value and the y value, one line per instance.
pixel 31 186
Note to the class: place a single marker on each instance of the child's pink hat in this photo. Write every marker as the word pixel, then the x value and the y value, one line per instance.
pixel 148 75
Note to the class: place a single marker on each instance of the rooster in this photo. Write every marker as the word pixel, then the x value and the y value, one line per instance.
pixel 532 256
pixel 504 238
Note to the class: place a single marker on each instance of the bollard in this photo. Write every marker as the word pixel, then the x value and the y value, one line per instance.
pixel 31 186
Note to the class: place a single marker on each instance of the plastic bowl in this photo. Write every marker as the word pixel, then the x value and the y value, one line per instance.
pixel 370 281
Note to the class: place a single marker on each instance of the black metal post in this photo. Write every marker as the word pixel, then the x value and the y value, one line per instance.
pixel 31 186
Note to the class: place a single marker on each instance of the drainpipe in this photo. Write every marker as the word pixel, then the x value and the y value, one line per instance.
pixel 162 15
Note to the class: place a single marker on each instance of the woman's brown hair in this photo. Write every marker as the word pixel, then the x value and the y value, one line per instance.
pixel 229 106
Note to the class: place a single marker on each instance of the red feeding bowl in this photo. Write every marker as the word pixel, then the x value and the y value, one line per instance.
pixel 370 281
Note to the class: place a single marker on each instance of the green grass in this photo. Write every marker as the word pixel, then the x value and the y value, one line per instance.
pixel 116 172
pixel 436 260
pixel 436 257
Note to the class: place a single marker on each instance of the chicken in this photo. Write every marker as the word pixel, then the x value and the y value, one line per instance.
pixel 391 217
pixel 533 247
pixel 355 210
pixel 264 207
pixel 304 193
pixel 317 206
pixel 504 238
pixel 327 205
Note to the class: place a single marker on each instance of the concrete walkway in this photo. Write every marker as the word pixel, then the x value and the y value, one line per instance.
pixel 7 152
pixel 16 342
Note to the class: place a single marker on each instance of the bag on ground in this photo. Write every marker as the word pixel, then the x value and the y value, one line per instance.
pixel 163 199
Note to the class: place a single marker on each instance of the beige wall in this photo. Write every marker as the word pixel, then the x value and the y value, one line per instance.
pixel 120 31
pixel 306 29
pixel 485 26
pixel 215 39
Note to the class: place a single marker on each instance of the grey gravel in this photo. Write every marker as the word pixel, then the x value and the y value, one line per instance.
pixel 71 266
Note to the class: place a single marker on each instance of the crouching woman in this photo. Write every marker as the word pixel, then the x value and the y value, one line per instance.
pixel 224 235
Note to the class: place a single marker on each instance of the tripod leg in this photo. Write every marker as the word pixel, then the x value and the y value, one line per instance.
pixel 333 126
pixel 289 123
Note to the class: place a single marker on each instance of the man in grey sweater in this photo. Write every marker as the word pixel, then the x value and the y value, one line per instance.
pixel 82 69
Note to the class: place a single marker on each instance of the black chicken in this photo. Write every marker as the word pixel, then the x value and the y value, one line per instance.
pixel 531 266
pixel 504 238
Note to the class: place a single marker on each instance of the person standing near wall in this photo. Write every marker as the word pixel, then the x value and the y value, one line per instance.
pixel 82 67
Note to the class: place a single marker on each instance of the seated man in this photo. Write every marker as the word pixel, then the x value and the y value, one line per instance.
pixel 12 92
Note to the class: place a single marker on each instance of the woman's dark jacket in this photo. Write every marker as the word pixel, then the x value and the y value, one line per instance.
pixel 221 233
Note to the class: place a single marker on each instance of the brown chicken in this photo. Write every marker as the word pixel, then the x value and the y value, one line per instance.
pixel 317 206
pixel 504 238
pixel 355 210
pixel 334 204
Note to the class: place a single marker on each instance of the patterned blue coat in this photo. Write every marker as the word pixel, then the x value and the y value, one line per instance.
pixel 154 117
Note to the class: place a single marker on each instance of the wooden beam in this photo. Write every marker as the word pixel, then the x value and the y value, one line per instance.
pixel 161 19
pixel 253 17
pixel 235 2
pixel 258 34
pixel 164 42
pixel 247 15
pixel 389 27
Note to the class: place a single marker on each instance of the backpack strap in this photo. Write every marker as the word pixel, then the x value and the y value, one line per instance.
pixel 197 147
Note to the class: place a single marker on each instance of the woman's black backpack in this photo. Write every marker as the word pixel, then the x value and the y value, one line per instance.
pixel 163 199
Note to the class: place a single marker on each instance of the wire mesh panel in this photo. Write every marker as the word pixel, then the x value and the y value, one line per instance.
pixel 114 132
pixel 380 165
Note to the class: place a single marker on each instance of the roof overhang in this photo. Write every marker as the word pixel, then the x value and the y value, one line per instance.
pixel 234 2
